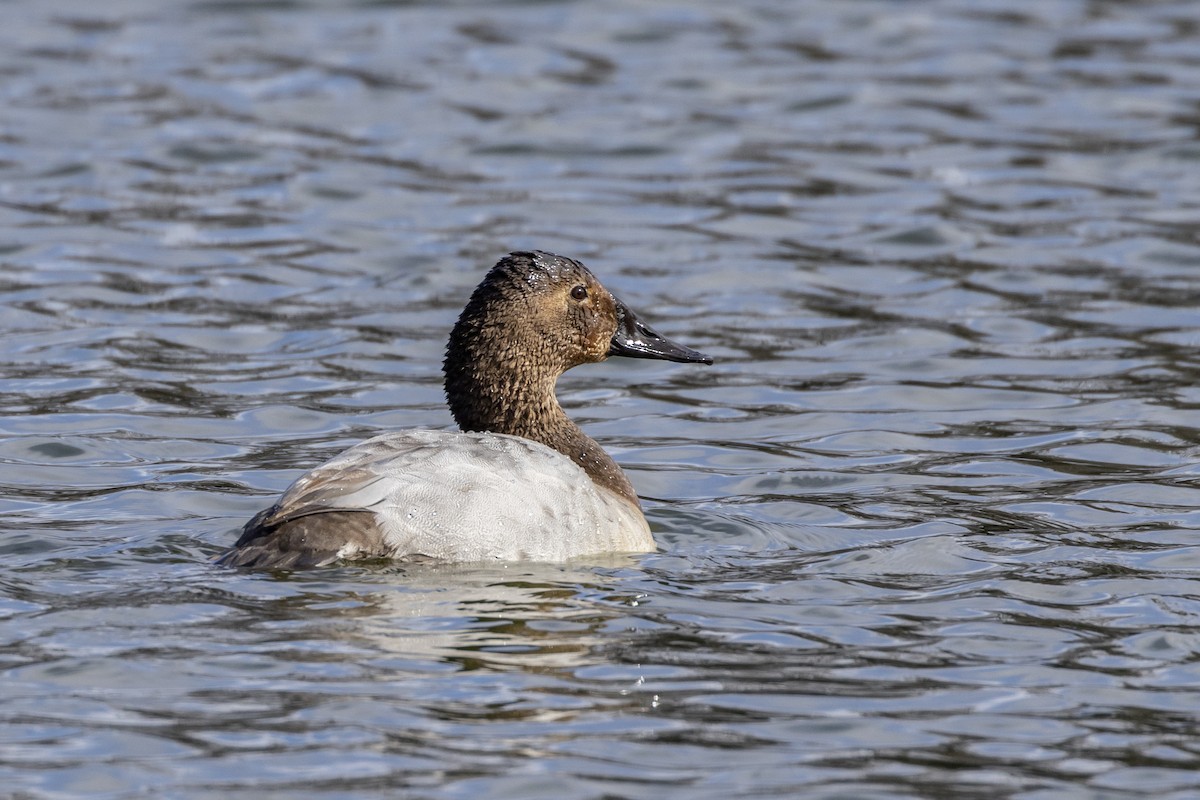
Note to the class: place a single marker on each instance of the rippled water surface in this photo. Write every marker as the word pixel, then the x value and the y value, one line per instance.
pixel 927 528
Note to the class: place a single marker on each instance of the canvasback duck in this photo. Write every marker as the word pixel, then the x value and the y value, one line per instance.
pixel 519 481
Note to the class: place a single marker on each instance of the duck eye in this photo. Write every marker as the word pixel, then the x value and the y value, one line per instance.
pixel 579 292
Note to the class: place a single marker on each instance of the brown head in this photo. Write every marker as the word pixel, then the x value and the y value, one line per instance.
pixel 546 311
pixel 535 316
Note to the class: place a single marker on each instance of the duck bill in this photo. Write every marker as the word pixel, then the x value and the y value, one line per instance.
pixel 635 339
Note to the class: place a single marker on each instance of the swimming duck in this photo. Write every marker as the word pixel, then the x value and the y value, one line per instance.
pixel 520 480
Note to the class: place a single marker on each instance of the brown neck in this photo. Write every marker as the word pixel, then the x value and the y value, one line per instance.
pixel 484 397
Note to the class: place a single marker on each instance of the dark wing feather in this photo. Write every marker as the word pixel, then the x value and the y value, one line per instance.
pixel 311 540
pixel 323 516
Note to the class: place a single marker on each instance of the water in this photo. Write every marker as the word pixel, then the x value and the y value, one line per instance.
pixel 928 527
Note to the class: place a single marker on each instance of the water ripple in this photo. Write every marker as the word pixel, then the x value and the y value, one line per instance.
pixel 927 528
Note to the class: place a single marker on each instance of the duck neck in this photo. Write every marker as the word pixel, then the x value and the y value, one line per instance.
pixel 495 400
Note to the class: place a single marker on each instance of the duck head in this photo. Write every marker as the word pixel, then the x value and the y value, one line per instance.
pixel 555 311
pixel 534 316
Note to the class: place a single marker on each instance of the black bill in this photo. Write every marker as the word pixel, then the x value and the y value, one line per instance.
pixel 635 339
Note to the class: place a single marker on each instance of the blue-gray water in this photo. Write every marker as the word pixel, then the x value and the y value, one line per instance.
pixel 928 527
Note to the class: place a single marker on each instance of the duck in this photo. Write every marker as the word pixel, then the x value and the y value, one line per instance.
pixel 518 481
